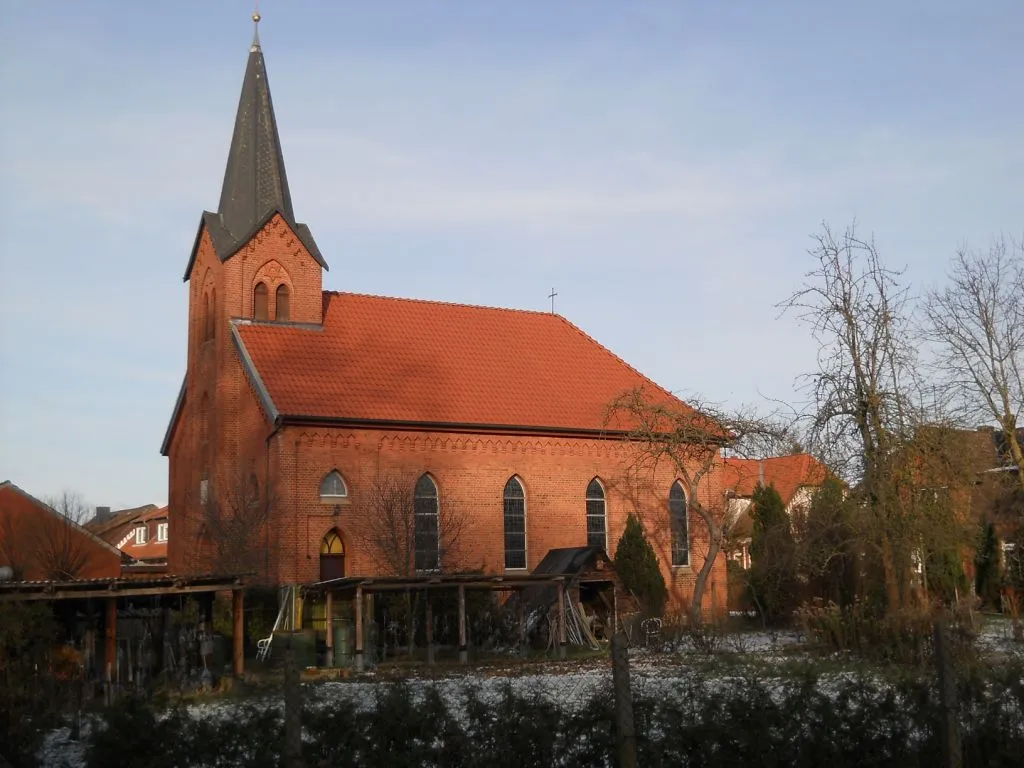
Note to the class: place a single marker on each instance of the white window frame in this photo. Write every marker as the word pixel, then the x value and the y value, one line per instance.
pixel 140 535
pixel 161 532
pixel 333 498
pixel 526 530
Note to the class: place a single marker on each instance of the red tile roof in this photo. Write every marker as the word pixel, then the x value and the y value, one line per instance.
pixel 786 473
pixel 406 360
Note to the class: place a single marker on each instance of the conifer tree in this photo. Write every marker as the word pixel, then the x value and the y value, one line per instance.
pixel 987 576
pixel 637 566
pixel 772 556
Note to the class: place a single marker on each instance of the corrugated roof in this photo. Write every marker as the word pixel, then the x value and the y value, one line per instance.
pixel 405 360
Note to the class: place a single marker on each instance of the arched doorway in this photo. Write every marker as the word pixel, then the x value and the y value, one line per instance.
pixel 332 556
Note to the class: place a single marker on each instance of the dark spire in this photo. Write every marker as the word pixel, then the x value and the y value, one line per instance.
pixel 255 182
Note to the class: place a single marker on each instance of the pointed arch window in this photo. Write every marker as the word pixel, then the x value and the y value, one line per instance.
pixel 333 487
pixel 282 299
pixel 678 521
pixel 515 524
pixel 259 302
pixel 332 556
pixel 425 514
pixel 211 315
pixel 205 330
pixel 204 419
pixel 597 532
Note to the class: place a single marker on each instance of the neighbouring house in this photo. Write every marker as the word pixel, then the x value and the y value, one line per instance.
pixel 38 543
pixel 112 525
pixel 795 477
pixel 145 539
pixel 303 411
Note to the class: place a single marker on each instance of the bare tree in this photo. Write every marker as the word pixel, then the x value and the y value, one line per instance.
pixel 865 413
pixel 60 547
pixel 411 528
pixel 977 325
pixel 234 525
pixel 690 440
pixel 857 310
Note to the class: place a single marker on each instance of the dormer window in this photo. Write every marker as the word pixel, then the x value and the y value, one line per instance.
pixel 140 535
pixel 161 532
pixel 259 302
pixel 283 301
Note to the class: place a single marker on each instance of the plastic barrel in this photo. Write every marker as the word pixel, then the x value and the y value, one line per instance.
pixel 343 642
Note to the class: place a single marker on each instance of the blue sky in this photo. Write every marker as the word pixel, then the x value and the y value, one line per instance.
pixel 661 164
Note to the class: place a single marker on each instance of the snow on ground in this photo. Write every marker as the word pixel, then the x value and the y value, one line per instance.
pixel 569 684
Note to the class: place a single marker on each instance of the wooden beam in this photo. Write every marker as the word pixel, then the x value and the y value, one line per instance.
pixel 359 628
pixel 463 650
pixel 561 619
pixel 430 630
pixel 238 620
pixel 329 611
pixel 110 647
pixel 85 594
pixel 522 627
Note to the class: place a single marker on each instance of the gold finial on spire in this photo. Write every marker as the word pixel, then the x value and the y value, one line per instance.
pixel 256 27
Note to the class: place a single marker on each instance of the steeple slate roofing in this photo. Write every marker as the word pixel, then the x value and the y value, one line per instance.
pixel 255 182
pixel 431 363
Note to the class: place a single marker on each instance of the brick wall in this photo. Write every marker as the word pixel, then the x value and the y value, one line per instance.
pixel 470 470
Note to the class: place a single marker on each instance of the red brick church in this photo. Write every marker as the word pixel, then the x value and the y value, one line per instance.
pixel 306 417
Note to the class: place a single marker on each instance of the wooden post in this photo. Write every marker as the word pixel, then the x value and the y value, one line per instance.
pixel 329 611
pixel 238 621
pixel 110 648
pixel 430 629
pixel 949 723
pixel 625 735
pixel 359 628
pixel 522 625
pixel 463 650
pixel 207 607
pixel 561 619
pixel 292 709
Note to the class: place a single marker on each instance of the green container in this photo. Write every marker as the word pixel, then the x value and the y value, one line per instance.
pixel 219 657
pixel 303 642
pixel 343 643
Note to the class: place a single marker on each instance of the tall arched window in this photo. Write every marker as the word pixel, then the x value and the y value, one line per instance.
pixel 597 533
pixel 332 556
pixel 205 332
pixel 204 419
pixel 283 301
pixel 677 518
pixel 515 524
pixel 259 301
pixel 425 519
pixel 333 486
pixel 211 315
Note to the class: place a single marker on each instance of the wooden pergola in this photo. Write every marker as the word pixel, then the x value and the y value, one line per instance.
pixel 359 586
pixel 110 590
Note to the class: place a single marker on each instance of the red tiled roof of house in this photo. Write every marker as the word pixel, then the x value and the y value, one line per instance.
pixel 787 473
pixel 406 360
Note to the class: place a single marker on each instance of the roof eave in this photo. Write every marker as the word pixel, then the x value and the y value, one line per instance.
pixel 165 446
pixel 291 419
pixel 266 402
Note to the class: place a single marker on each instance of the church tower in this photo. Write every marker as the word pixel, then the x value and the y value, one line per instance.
pixel 251 262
